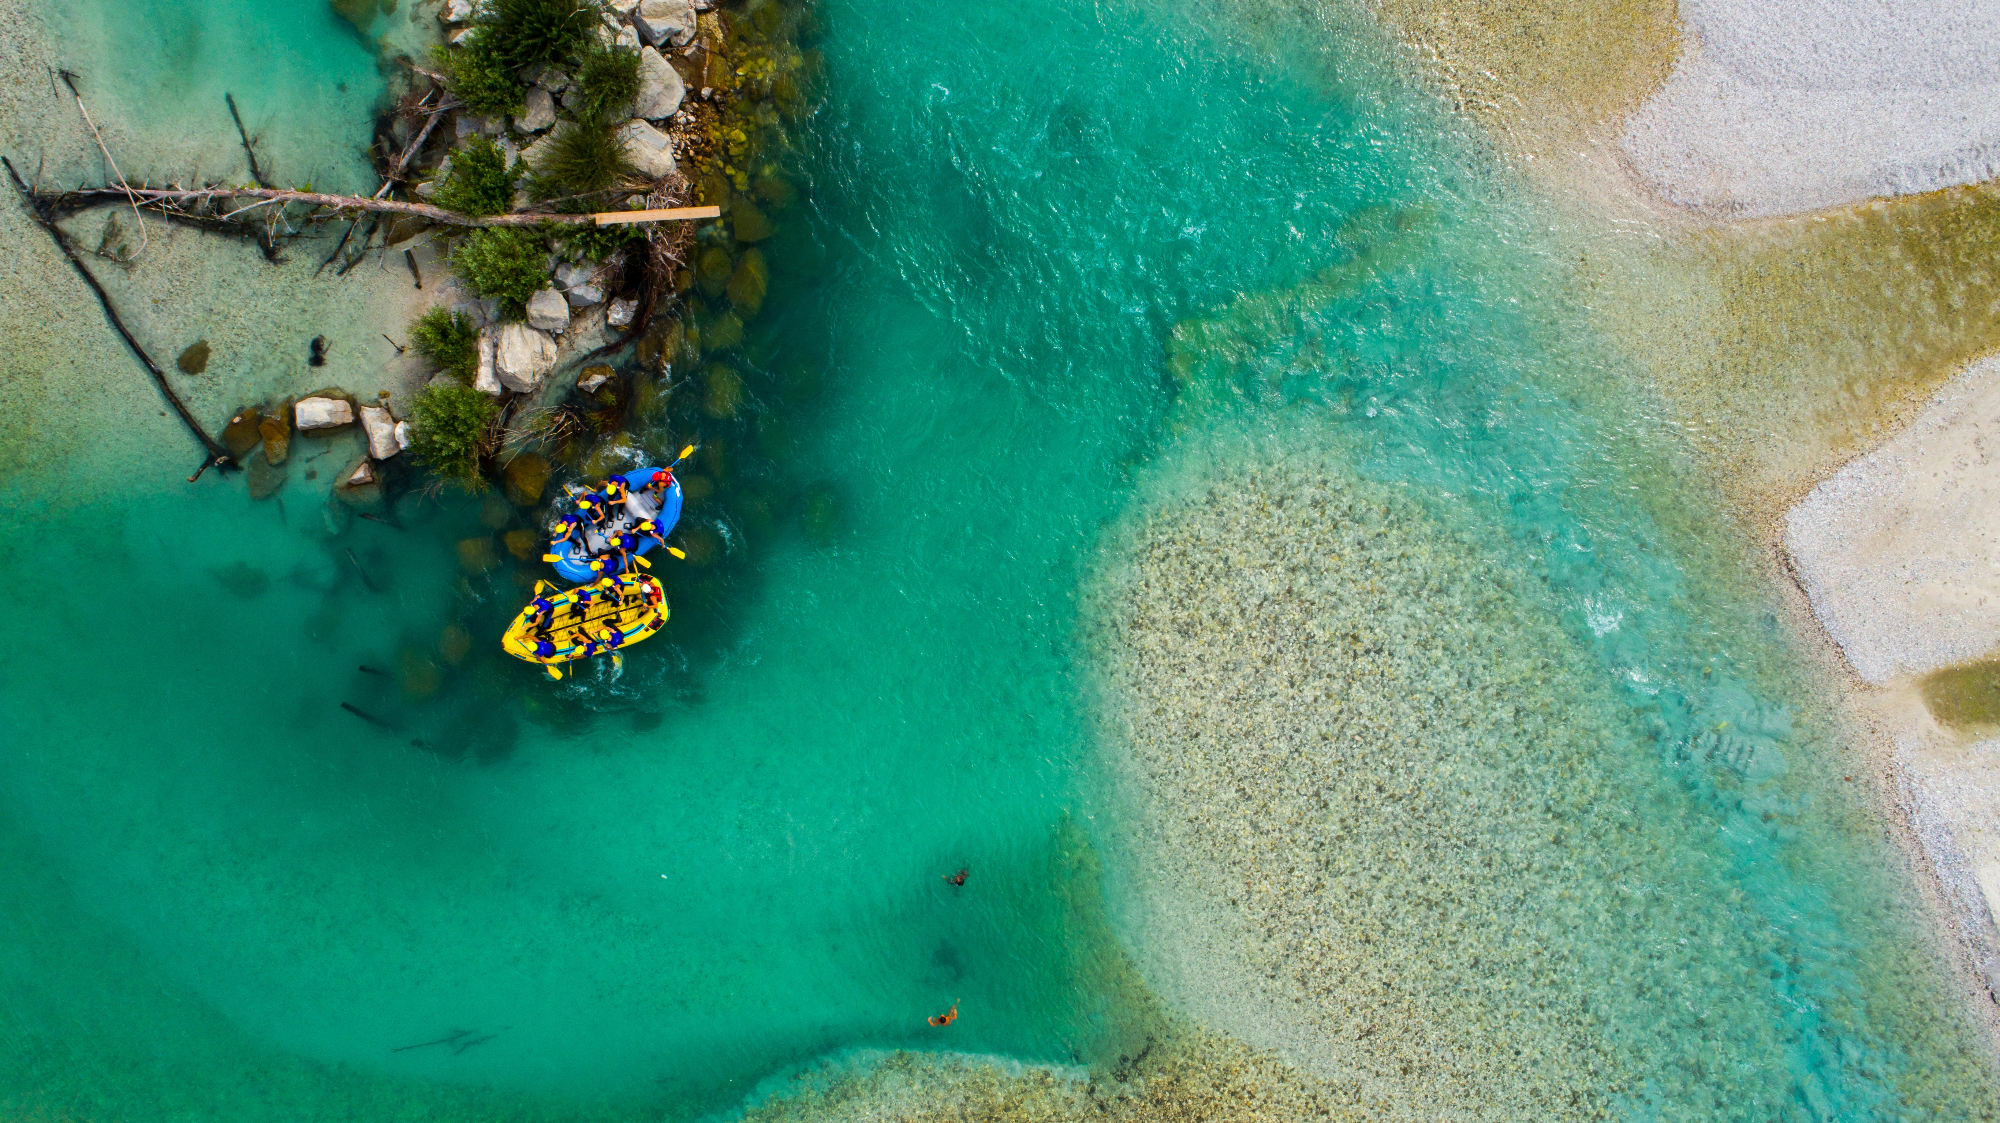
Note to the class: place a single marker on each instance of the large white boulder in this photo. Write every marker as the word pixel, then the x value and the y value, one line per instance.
pixel 458 11
pixel 381 425
pixel 660 87
pixel 665 21
pixel 487 380
pixel 522 356
pixel 540 113
pixel 647 148
pixel 322 413
pixel 548 311
pixel 619 313
pixel 582 284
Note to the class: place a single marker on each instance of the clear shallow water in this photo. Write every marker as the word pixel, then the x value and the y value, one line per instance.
pixel 1010 210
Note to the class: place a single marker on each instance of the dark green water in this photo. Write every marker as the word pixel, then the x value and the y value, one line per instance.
pixel 654 892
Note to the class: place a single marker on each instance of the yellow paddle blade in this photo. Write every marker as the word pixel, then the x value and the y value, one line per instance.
pixel 676 553
pixel 617 662
pixel 686 452
pixel 540 585
pixel 642 561
pixel 554 672
pixel 551 557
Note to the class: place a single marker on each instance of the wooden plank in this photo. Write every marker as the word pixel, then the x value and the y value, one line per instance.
pixel 670 214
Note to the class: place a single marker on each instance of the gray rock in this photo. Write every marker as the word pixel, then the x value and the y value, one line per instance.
pixel 626 39
pixel 581 284
pixel 522 356
pixel 458 11
pixel 381 427
pixel 487 380
pixel 459 36
pixel 535 153
pixel 552 80
pixel 649 149
pixel 660 87
pixel 624 7
pixel 665 21
pixel 590 378
pixel 619 313
pixel 322 413
pixel 469 126
pixel 548 311
pixel 541 111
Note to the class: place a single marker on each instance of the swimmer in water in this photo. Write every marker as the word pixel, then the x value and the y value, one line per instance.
pixel 947 1017
pixel 957 879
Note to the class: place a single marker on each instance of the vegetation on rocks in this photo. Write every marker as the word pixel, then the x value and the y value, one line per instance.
pixel 533 33
pixel 448 431
pixel 584 157
pixel 449 341
pixel 507 262
pixel 480 180
pixel 605 85
pixel 480 77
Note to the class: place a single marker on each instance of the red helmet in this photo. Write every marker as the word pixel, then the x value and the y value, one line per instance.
pixel 662 476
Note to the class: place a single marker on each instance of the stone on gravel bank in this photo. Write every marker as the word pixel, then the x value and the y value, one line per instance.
pixel 383 441
pixel 665 22
pixel 660 87
pixel 548 311
pixel 650 150
pixel 522 356
pixel 322 413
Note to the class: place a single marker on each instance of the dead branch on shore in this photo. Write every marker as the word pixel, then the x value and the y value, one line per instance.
pixel 218 457
pixel 256 174
pixel 332 206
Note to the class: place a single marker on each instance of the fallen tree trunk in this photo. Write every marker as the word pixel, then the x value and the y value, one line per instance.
pixel 218 457
pixel 85 196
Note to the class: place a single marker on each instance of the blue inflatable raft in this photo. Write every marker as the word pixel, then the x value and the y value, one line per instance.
pixel 573 557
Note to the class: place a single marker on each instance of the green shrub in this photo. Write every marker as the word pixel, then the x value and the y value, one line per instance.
pixel 582 158
pixel 595 243
pixel 529 33
pixel 480 181
pixel 480 77
pixel 448 424
pixel 605 84
pixel 450 340
pixel 508 262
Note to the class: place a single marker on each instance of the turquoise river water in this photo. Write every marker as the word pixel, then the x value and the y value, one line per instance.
pixel 225 898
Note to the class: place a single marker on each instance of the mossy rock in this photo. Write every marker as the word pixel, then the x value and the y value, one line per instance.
pixel 494 513
pixel 360 13
pixel 775 190
pixel 749 282
pixel 264 477
pixel 524 478
pixel 713 186
pixel 276 433
pixel 723 332
pixel 523 543
pixel 723 392
pixel 683 280
pixel 696 489
pixel 768 19
pixel 194 360
pixel 748 223
pixel 416 675
pixel 241 434
pixel 476 555
pixel 712 270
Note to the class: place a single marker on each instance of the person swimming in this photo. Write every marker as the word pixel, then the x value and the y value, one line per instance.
pixel 957 879
pixel 946 1018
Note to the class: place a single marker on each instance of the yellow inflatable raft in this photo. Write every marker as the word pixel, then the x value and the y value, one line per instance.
pixel 600 618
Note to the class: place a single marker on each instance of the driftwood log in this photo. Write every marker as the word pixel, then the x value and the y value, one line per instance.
pixel 218 456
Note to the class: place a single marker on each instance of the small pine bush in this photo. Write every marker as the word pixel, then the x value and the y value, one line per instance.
pixel 480 182
pixel 450 340
pixel 448 425
pixel 584 158
pixel 508 262
pixel 480 76
pixel 529 33
pixel 605 85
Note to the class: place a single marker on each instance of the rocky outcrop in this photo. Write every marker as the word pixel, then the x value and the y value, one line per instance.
pixel 486 379
pixel 540 113
pixel 647 148
pixel 619 313
pixel 241 435
pixel 359 485
pixel 522 356
pixel 381 426
pixel 580 284
pixel 665 21
pixel 548 311
pixel 317 413
pixel 660 87
pixel 590 378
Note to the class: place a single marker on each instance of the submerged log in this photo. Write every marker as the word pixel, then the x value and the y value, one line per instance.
pixel 256 174
pixel 218 456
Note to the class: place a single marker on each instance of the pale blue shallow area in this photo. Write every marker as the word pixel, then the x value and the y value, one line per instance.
pixel 233 893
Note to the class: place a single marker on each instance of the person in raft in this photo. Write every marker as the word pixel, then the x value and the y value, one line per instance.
pixel 614 491
pixel 656 488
